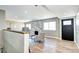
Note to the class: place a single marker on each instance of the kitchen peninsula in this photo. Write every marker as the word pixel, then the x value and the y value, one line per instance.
pixel 16 41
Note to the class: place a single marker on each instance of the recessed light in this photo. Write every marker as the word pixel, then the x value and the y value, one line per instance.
pixel 16 16
pixel 26 12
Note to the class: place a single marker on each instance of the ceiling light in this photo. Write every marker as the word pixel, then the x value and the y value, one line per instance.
pixel 16 16
pixel 35 5
pixel 26 12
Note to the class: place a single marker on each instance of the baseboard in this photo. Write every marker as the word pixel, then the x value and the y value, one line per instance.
pixel 52 37
pixel 77 45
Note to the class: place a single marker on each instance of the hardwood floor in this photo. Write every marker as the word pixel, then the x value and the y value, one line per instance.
pixel 54 46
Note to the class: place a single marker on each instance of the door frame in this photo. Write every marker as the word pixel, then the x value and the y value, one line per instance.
pixel 72 21
pixel 73 29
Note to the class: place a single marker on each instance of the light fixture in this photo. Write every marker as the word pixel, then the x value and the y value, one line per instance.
pixel 16 16
pixel 26 12
pixel 35 5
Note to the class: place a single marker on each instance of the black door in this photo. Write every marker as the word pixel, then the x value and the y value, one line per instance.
pixel 68 29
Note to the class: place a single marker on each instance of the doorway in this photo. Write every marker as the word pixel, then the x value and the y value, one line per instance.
pixel 68 29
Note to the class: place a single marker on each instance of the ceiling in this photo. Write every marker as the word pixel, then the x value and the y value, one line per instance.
pixel 36 12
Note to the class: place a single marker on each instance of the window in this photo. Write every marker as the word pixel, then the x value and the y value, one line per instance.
pixel 46 26
pixel 28 25
pixel 49 26
pixel 77 22
pixel 67 22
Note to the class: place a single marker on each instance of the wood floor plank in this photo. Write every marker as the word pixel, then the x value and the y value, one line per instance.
pixel 54 46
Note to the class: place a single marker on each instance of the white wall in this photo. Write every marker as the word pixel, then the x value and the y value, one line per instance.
pixel 38 26
pixel 2 26
pixel 2 19
pixel 77 30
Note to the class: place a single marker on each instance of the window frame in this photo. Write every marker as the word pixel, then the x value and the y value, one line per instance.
pixel 49 27
pixel 28 26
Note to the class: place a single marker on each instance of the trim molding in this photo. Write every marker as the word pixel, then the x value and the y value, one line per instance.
pixel 77 45
pixel 51 37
